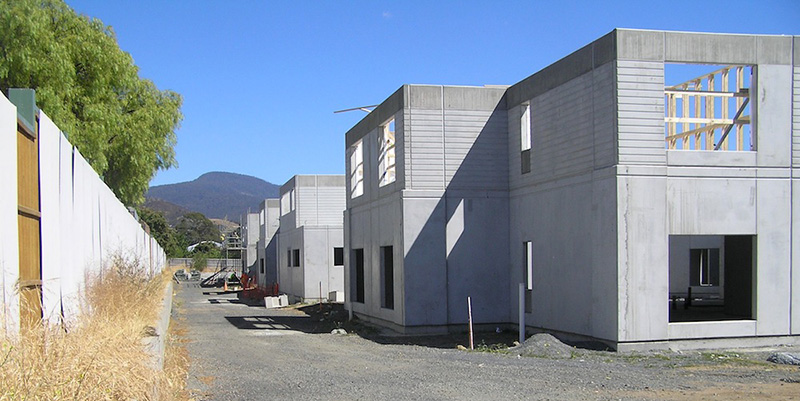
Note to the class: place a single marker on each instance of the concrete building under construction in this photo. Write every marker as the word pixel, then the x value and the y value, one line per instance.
pixel 640 190
pixel 309 241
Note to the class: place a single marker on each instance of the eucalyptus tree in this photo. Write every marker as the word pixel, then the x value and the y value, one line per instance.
pixel 121 123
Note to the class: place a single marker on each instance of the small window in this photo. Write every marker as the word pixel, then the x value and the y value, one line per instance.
pixel 525 139
pixel 338 256
pixel 285 204
pixel 289 257
pixel 527 266
pixel 296 257
pixel 525 127
pixel 705 267
pixel 386 159
pixel 262 265
pixel 357 169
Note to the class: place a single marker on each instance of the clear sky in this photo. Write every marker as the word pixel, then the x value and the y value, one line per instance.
pixel 261 79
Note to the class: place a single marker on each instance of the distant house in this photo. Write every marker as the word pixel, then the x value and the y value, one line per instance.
pixel 633 208
pixel 309 242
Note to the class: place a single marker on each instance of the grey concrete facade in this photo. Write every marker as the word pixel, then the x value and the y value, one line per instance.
pixel 250 240
pixel 311 208
pixel 267 248
pixel 607 214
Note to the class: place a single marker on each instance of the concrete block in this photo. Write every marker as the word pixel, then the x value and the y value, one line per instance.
pixel 271 302
pixel 336 296
pixel 283 300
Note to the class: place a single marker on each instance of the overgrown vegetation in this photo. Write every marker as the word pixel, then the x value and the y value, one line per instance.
pixel 122 124
pixel 101 355
pixel 192 228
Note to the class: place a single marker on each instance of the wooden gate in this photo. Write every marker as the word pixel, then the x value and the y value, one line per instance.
pixel 29 223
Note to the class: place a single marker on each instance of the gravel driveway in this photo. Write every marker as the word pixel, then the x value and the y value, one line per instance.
pixel 241 352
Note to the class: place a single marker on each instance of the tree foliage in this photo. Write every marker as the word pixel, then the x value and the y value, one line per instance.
pixel 195 227
pixel 167 237
pixel 123 125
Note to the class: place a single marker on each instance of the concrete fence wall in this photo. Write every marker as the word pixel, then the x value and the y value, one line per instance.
pixel 84 227
pixel 211 264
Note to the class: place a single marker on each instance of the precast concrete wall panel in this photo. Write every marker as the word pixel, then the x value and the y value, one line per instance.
pixel 796 117
pixel 571 225
pixel 640 112
pixel 425 266
pixel 604 115
pixel 643 258
pixel 795 254
pixel 69 266
pixel 477 257
pixel 773 257
pixel 9 246
pixel 562 142
pixel 709 206
pixel 50 206
pixel 424 149
pixel 476 150
pixel 773 117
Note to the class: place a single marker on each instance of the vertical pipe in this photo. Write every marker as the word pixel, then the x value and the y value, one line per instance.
pixel 469 310
pixel 521 313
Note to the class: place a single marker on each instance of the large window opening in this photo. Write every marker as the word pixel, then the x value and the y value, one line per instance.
pixel 357 169
pixel 386 159
pixel 708 107
pixel 387 277
pixel 711 277
pixel 357 276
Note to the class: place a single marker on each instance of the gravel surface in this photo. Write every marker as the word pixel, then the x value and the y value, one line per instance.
pixel 242 352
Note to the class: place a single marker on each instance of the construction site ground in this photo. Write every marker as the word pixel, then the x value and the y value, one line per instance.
pixel 241 351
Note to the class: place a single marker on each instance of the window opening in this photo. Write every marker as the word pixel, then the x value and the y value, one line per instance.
pixel 289 257
pixel 525 138
pixel 527 250
pixel 710 111
pixel 296 257
pixel 386 158
pixel 711 277
pixel 357 276
pixel 262 265
pixel 338 256
pixel 387 277
pixel 357 170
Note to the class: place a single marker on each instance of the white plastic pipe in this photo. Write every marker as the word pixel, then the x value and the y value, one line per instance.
pixel 521 313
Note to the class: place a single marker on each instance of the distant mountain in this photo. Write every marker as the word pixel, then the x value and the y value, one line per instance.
pixel 217 195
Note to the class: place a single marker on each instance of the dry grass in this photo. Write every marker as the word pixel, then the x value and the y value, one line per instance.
pixel 101 356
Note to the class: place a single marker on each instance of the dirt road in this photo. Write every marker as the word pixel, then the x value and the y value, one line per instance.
pixel 241 352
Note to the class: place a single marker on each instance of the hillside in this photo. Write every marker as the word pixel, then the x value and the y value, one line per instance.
pixel 170 210
pixel 218 195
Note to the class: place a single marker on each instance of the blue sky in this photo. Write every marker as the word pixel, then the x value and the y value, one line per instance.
pixel 261 79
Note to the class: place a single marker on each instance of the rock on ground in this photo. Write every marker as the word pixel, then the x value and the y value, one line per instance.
pixel 784 358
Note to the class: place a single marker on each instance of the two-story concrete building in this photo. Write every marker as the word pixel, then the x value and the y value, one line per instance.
pixel 309 242
pixel 637 205
pixel 267 248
